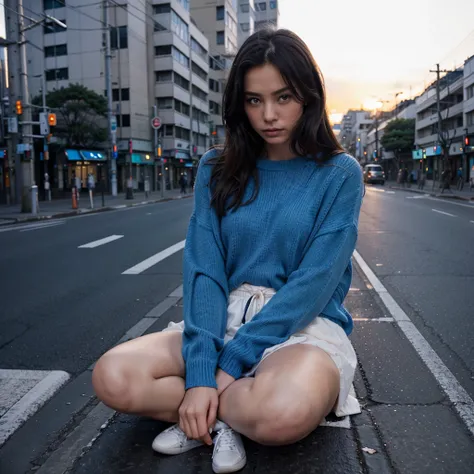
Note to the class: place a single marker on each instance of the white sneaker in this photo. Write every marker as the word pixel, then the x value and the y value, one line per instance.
pixel 174 441
pixel 229 452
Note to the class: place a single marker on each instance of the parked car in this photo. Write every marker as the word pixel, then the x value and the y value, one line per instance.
pixel 374 174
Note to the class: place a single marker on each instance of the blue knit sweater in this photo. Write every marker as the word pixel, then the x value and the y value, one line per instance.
pixel 296 237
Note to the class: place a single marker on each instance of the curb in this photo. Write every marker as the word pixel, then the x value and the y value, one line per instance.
pixel 80 212
pixel 442 196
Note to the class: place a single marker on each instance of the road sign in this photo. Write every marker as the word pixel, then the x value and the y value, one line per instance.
pixel 113 123
pixel 44 124
pixel 156 123
pixel 12 125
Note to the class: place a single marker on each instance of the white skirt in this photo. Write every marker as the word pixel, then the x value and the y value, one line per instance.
pixel 248 300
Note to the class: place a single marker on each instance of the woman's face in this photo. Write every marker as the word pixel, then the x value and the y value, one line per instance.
pixel 271 107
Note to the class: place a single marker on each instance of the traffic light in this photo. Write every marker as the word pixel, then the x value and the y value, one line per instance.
pixel 18 107
pixel 52 120
pixel 466 141
pixel 114 152
pixel 158 151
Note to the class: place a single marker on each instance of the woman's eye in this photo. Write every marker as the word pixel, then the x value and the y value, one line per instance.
pixel 253 101
pixel 285 97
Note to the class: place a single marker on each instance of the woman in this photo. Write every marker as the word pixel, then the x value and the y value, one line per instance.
pixel 263 349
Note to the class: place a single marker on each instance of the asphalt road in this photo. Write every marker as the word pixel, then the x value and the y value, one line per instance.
pixel 62 305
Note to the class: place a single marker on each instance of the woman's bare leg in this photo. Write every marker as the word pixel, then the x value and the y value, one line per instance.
pixel 292 391
pixel 144 376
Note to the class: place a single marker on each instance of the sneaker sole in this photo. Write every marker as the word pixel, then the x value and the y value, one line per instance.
pixel 176 450
pixel 226 469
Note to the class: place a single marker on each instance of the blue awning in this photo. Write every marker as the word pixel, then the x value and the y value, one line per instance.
pixel 86 155
pixel 141 159
pixel 89 155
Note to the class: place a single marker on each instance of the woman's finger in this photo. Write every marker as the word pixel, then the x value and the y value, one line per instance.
pixel 203 429
pixel 212 413
pixel 193 426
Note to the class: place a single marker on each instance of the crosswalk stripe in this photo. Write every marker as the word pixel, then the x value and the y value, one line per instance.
pixel 154 259
pixel 23 393
pixel 97 243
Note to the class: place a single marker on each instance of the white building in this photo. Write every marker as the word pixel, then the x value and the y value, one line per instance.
pixel 217 19
pixel 468 164
pixel 158 57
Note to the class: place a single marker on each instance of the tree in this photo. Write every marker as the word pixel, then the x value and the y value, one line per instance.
pixel 80 115
pixel 399 137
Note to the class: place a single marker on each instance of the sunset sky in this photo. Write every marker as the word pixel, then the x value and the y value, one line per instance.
pixel 370 49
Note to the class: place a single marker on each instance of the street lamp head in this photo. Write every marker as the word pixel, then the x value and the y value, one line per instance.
pixel 55 20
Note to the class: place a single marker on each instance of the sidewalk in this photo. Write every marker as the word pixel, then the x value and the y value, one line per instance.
pixel 453 193
pixel 58 208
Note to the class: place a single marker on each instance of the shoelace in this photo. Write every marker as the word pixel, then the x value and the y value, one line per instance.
pixel 225 439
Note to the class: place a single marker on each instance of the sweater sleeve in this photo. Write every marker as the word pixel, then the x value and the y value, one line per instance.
pixel 310 287
pixel 205 288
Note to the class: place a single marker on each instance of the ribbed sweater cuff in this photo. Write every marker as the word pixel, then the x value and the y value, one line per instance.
pixel 201 373
pixel 229 363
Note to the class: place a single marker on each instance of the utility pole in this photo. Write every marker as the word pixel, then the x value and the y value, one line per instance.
pixel 191 145
pixel 28 166
pixel 440 121
pixel 14 86
pixel 108 84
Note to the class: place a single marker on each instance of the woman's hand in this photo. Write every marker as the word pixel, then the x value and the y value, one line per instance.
pixel 223 380
pixel 198 412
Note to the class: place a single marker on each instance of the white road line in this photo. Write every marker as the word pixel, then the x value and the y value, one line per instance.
pixel 472 222
pixel 32 226
pixel 390 192
pixel 380 320
pixel 97 243
pixel 154 259
pixel 44 226
pixel 460 399
pixel 444 213
pixel 451 201
pixel 23 393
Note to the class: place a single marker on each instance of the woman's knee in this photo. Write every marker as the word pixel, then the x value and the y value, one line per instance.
pixel 112 383
pixel 281 421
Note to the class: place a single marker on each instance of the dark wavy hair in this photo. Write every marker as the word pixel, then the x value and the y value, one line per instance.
pixel 312 135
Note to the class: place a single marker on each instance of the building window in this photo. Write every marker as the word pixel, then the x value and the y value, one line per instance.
pixel 118 37
pixel 181 81
pixel 163 50
pixel 200 94
pixel 199 71
pixel 50 4
pixel 168 130
pixel 180 57
pixel 244 8
pixel 158 27
pixel 164 102
pixel 181 133
pixel 273 4
pixel 230 22
pixel 179 26
pixel 120 94
pixel 52 27
pixel 214 85
pixel 163 8
pixel 55 51
pixel 185 4
pixel 245 26
pixel 197 48
pixel 181 107
pixel 214 108
pixel 470 92
pixel 470 120
pixel 123 120
pixel 261 6
pixel 61 74
pixel 216 63
pixel 220 37
pixel 200 116
pixel 163 76
pixel 220 13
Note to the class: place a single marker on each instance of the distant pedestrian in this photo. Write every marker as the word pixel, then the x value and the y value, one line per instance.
pixel 267 265
pixel 183 182
pixel 460 179
pixel 446 180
